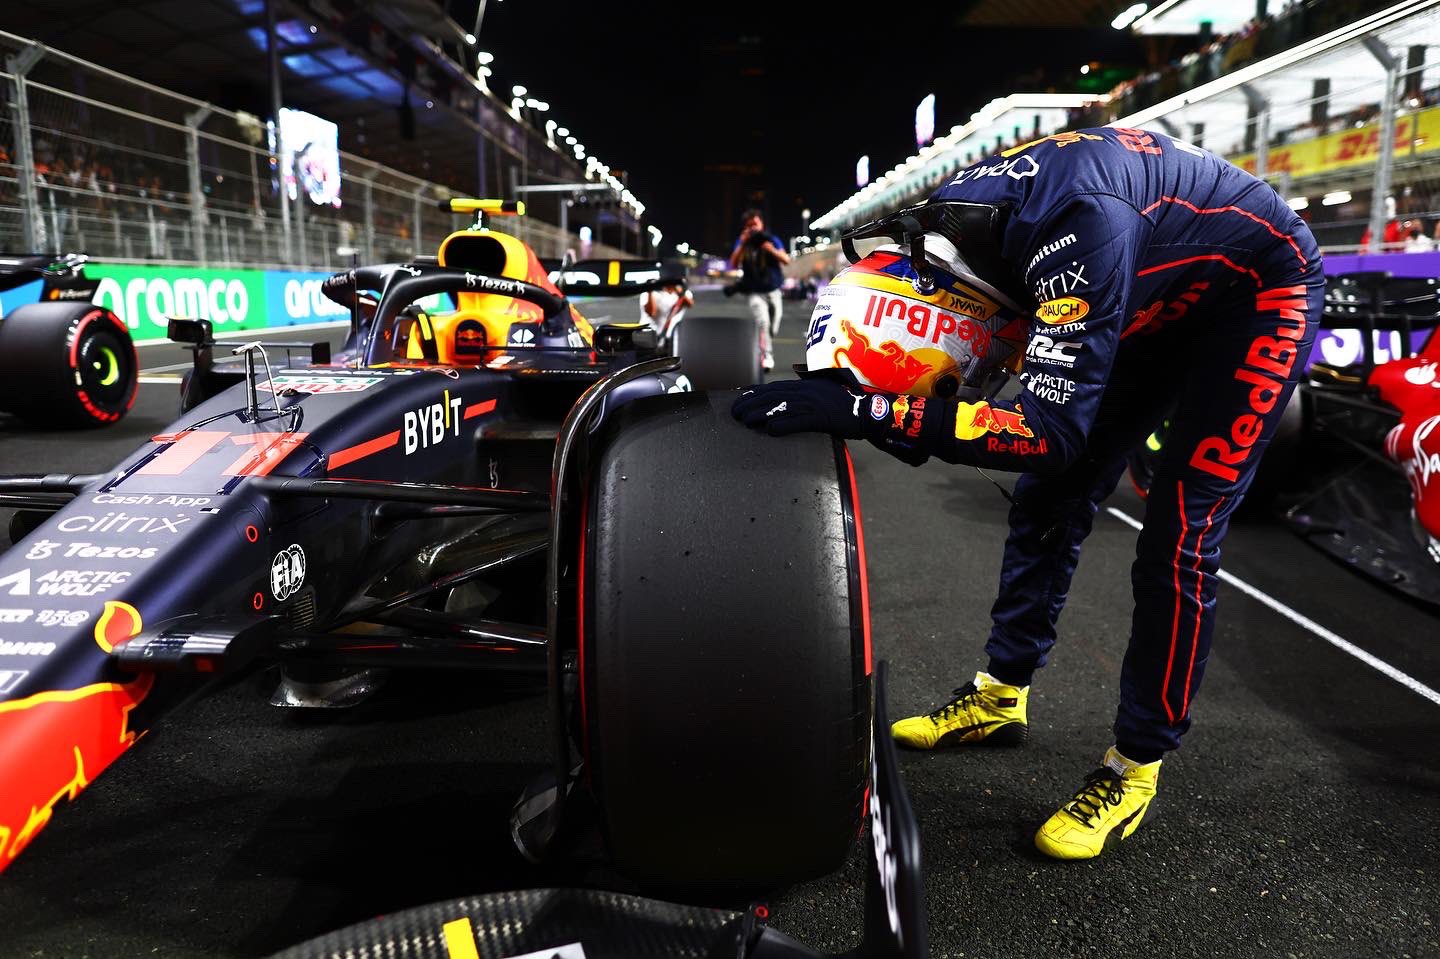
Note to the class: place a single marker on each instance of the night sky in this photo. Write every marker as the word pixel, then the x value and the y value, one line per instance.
pixel 801 89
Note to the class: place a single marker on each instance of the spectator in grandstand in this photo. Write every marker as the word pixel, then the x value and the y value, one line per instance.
pixel 759 255
pixel 1097 288
pixel 1394 237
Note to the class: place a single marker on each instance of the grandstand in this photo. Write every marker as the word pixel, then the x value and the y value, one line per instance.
pixel 1335 103
pixel 97 161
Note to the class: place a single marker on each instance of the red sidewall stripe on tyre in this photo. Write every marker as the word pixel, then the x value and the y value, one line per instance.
pixel 85 400
pixel 859 555
pixel 580 630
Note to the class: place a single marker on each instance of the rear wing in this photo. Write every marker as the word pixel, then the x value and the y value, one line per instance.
pixel 614 277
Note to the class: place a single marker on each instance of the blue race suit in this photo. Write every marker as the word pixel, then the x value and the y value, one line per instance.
pixel 1166 279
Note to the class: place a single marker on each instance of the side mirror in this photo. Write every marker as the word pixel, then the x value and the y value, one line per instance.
pixel 197 332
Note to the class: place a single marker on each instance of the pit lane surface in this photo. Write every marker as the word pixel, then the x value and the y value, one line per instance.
pixel 1298 820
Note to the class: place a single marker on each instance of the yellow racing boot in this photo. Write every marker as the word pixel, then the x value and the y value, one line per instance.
pixel 1111 805
pixel 985 712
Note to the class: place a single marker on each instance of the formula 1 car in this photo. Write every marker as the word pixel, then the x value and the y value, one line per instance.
pixel 63 361
pixel 573 923
pixel 716 352
pixel 1351 464
pixel 496 487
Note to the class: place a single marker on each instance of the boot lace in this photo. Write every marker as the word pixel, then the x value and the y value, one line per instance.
pixel 1102 789
pixel 961 698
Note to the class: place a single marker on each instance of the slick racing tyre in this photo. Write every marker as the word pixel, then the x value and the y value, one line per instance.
pixel 719 352
pixel 724 648
pixel 66 365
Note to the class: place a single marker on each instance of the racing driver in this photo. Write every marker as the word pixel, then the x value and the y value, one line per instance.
pixel 1128 278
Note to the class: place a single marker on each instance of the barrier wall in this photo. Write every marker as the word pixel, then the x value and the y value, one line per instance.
pixel 145 297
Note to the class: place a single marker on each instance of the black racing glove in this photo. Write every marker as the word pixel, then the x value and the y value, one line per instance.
pixel 811 405
pixel 831 401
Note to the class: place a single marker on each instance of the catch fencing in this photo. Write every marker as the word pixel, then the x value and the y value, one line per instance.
pixel 97 162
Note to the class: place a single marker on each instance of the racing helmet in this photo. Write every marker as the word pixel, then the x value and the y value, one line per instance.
pixel 914 315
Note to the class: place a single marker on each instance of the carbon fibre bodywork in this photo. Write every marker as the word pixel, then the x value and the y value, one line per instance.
pixel 318 514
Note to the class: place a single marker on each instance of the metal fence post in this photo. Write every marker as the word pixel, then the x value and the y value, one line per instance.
pixel 193 119
pixel 1389 103
pixel 419 246
pixel 369 179
pixel 1261 106
pixel 301 238
pixel 18 66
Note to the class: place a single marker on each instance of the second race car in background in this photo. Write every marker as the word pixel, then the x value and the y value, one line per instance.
pixel 63 361
pixel 715 352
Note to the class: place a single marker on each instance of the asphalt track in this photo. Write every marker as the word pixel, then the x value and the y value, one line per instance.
pixel 1299 820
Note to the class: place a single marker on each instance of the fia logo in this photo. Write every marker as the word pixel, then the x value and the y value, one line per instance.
pixel 287 572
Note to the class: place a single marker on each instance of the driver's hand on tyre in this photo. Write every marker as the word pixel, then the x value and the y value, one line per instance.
pixel 808 405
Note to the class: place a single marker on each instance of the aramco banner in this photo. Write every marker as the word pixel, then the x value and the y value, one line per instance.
pixel 145 298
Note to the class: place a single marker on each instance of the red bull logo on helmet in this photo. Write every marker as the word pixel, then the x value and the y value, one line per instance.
pixel 953 297
pixel 887 368
pixel 919 318
pixel 872 320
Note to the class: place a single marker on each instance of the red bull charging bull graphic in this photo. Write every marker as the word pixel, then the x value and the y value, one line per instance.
pixel 57 741
pixel 872 321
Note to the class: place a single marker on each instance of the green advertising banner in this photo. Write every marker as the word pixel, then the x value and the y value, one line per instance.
pixel 146 297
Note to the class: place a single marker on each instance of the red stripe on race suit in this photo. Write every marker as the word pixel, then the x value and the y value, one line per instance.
pixel 1197 259
pixel 1231 209
pixel 1199 579
pixel 1179 595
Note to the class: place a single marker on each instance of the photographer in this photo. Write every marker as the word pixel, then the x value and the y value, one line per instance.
pixel 759 256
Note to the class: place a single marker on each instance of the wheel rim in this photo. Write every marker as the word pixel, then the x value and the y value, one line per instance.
pixel 108 366
pixel 106 370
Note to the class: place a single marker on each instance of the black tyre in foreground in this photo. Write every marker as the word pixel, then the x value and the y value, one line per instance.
pixel 724 648
pixel 719 352
pixel 66 364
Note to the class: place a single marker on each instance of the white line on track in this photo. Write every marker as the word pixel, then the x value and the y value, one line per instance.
pixel 1374 662
pixel 160 379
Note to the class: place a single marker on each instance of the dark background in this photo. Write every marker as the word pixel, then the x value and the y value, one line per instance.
pixel 706 108
pixel 714 107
